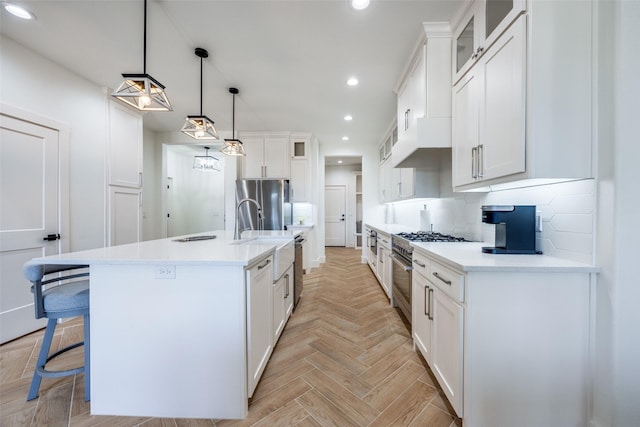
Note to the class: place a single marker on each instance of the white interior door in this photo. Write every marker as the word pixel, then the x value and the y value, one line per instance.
pixel 335 207
pixel 29 211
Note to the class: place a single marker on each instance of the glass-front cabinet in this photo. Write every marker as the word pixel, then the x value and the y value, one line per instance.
pixel 482 23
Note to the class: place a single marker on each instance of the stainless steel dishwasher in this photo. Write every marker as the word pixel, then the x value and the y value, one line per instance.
pixel 298 270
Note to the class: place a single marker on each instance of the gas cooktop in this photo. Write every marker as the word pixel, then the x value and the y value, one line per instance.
pixel 426 236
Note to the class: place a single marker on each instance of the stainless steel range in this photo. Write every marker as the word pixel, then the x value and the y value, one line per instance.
pixel 401 255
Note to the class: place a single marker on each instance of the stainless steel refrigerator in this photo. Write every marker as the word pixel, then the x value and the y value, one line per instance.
pixel 272 195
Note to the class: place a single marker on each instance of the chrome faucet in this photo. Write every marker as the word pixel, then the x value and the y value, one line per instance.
pixel 236 235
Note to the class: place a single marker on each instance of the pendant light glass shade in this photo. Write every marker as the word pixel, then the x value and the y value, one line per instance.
pixel 142 91
pixel 206 162
pixel 200 127
pixel 233 147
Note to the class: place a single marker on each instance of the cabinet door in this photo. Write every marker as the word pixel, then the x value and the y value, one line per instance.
pixel 276 157
pixel 407 182
pixel 288 293
pixel 404 110
pixel 259 321
pixel 466 40
pixel 502 114
pixel 420 315
pixel 278 307
pixel 385 185
pixel 125 146
pixel 447 347
pixel 253 162
pixel 299 180
pixel 124 215
pixel 465 129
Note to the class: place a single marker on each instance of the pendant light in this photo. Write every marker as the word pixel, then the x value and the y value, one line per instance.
pixel 200 127
pixel 142 91
pixel 233 146
pixel 206 162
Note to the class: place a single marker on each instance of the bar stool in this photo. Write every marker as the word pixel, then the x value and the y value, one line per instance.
pixel 62 294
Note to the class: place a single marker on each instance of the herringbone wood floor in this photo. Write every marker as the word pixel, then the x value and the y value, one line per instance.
pixel 344 359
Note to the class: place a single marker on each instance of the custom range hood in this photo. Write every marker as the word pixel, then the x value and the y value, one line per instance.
pixel 424 99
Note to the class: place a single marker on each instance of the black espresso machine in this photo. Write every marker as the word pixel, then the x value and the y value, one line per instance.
pixel 515 229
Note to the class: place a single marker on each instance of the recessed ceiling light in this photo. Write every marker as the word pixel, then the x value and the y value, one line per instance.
pixel 345 138
pixel 359 4
pixel 348 118
pixel 18 11
pixel 339 161
pixel 352 81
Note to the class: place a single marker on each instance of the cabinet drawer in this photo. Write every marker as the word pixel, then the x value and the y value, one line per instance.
pixel 421 264
pixel 447 280
pixel 384 240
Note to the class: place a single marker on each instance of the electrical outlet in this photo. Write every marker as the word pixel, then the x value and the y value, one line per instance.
pixel 539 221
pixel 165 272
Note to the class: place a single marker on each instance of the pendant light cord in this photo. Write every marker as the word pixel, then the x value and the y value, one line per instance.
pixel 201 85
pixel 144 41
pixel 233 118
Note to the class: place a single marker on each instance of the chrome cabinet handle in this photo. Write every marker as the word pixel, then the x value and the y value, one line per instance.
pixel 474 155
pixel 479 50
pixel 286 278
pixel 140 181
pixel 480 161
pixel 430 302
pixel 267 262
pixel 415 261
pixel 426 303
pixel 448 282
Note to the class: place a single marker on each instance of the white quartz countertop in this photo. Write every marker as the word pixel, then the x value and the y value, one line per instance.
pixel 390 228
pixel 468 256
pixel 222 250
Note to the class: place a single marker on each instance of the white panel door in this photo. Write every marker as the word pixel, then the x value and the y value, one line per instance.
pixel 334 215
pixel 29 211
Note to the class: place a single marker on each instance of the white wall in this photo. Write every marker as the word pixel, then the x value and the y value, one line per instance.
pixel 617 344
pixel 32 83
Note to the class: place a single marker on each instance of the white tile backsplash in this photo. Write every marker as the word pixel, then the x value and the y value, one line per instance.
pixel 566 208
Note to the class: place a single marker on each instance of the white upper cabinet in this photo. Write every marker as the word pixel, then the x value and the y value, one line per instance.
pixel 522 106
pixel 424 98
pixel 489 110
pixel 481 25
pixel 300 180
pixel 267 156
pixel 125 146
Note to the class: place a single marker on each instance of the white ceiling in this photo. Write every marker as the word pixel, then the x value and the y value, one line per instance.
pixel 289 59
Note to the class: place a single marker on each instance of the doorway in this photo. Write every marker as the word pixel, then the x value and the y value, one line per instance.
pixel 343 212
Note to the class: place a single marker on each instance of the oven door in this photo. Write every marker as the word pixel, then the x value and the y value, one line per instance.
pixel 401 289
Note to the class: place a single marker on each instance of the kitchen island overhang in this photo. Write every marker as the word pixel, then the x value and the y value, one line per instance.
pixel 169 326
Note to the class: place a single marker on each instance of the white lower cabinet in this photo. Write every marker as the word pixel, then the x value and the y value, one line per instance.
pixel 282 302
pixel 383 266
pixel 259 280
pixel 447 345
pixel 507 346
pixel 437 328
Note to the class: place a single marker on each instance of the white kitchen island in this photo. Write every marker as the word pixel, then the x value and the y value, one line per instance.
pixel 171 324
